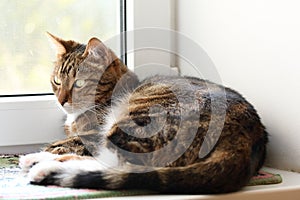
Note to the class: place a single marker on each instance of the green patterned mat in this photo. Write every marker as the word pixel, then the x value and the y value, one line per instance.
pixel 13 185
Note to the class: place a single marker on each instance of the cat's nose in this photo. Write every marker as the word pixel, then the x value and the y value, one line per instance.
pixel 63 102
pixel 63 97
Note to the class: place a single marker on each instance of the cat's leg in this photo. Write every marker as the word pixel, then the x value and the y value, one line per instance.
pixel 62 173
pixel 72 144
pixel 28 161
pixel 63 169
pixel 83 145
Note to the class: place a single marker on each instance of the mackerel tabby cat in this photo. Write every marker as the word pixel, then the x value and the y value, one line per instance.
pixel 169 134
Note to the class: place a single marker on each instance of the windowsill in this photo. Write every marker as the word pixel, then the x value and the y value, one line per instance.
pixel 288 189
pixel 29 121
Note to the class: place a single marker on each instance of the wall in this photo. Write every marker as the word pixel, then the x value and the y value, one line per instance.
pixel 255 46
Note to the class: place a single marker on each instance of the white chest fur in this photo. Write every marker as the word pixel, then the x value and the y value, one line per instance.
pixel 69 124
pixel 71 118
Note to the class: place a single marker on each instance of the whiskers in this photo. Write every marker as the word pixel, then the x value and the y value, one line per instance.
pixel 84 107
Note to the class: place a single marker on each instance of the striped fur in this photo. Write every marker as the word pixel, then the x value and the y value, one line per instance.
pixel 166 133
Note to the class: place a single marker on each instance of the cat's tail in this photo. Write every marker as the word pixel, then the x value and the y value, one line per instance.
pixel 223 173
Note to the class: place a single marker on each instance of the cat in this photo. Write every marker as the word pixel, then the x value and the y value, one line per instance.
pixel 169 134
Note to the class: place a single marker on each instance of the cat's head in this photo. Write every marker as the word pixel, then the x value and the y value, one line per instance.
pixel 83 75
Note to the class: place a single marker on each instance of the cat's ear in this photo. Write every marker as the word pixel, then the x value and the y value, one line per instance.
pixel 96 51
pixel 57 44
pixel 95 48
pixel 61 46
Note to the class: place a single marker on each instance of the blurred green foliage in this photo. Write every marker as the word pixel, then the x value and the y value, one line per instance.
pixel 25 53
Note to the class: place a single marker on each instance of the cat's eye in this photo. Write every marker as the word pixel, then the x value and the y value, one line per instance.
pixel 56 80
pixel 79 83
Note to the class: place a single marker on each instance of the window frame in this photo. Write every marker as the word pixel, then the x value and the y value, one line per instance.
pixel 30 121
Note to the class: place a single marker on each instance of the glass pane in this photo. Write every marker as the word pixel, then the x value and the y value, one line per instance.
pixel 25 53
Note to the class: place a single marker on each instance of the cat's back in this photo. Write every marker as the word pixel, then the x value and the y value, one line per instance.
pixel 190 86
pixel 197 112
pixel 196 98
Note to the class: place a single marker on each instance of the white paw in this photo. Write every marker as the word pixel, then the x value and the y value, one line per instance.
pixel 29 160
pixel 61 173
pixel 43 170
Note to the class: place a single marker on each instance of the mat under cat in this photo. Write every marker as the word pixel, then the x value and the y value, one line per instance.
pixel 13 185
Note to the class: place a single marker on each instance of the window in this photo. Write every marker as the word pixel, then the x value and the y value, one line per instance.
pixel 27 121
pixel 25 59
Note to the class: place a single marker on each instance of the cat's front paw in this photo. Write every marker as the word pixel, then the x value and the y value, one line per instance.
pixel 63 174
pixel 28 161
pixel 44 172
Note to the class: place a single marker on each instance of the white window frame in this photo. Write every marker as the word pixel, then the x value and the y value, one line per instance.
pixel 29 122
pixel 144 14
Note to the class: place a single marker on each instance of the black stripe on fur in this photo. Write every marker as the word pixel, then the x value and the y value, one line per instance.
pixel 92 180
